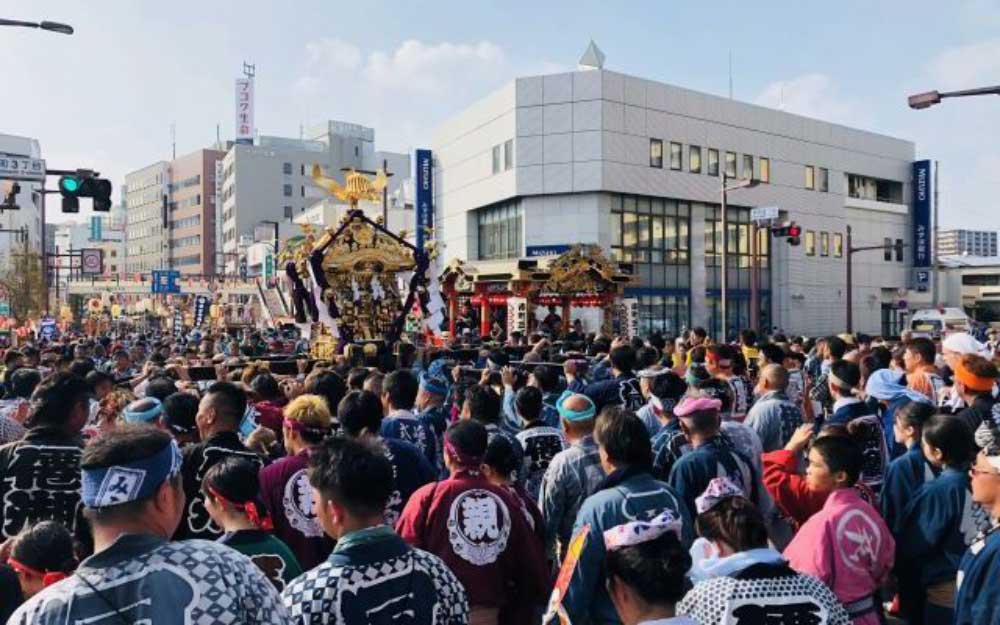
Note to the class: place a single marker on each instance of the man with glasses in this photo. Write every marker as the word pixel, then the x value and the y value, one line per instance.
pixel 977 601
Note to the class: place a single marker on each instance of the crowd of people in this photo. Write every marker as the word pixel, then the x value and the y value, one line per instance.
pixel 776 480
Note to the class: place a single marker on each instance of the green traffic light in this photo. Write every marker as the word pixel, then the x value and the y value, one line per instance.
pixel 69 184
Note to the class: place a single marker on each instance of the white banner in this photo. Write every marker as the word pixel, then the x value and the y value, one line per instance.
pixel 244 110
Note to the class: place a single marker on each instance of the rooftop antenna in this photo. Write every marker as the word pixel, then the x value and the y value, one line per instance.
pixel 730 74
pixel 218 138
pixel 173 141
pixel 249 70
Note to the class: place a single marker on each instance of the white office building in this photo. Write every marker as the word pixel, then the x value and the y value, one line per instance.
pixel 967 243
pixel 272 179
pixel 146 244
pixel 595 156
pixel 29 201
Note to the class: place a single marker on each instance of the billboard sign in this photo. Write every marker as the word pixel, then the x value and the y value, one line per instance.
pixel 21 168
pixel 537 251
pixel 165 281
pixel 425 196
pixel 244 110
pixel 922 213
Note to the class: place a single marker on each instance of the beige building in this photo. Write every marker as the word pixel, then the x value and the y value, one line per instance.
pixel 191 212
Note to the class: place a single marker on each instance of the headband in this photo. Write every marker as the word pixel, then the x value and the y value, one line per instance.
pixel 298 426
pixel 839 383
pixel 463 459
pixel 433 385
pixel 971 380
pixel 718 489
pixel 48 577
pixel 652 373
pixel 663 405
pixel 722 362
pixel 121 483
pixel 696 404
pixel 260 521
pixel 638 532
pixel 132 415
pixel 575 415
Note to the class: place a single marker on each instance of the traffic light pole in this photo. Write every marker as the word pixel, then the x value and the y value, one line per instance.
pixel 851 251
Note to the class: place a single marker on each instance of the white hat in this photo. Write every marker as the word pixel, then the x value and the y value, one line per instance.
pixel 963 343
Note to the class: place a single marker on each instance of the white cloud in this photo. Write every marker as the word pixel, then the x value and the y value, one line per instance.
pixel 811 95
pixel 966 67
pixel 405 91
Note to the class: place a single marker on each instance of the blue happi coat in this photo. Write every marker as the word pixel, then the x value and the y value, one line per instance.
pixel 977 601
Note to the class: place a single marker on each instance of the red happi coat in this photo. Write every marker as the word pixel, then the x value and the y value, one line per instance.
pixel 480 532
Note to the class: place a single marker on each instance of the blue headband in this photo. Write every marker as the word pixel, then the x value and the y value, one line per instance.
pixel 143 416
pixel 575 415
pixel 122 483
pixel 433 385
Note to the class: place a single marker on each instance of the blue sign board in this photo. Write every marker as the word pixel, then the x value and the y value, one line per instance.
pixel 201 304
pixel 165 281
pixel 47 328
pixel 425 196
pixel 922 214
pixel 535 251
pixel 96 226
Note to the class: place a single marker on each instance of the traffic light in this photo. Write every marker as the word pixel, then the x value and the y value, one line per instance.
pixel 10 197
pixel 84 184
pixel 790 230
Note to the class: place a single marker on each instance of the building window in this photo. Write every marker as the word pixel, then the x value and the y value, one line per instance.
pixel 810 243
pixel 810 177
pixel 656 153
pixel 675 156
pixel 302 169
pixel 694 159
pixel 765 169
pixel 824 243
pixel 838 245
pixel 508 154
pixel 739 261
pixel 287 189
pixel 887 252
pixel 748 166
pixel 899 250
pixel 730 164
pixel 302 190
pixel 496 159
pixel 824 179
pixel 713 162
pixel 875 189
pixel 288 213
pixel 287 169
pixel 499 229
pixel 651 230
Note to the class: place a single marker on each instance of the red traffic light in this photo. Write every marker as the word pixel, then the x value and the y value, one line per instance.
pixel 794 230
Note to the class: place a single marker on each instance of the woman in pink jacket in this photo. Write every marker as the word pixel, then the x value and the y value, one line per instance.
pixel 846 545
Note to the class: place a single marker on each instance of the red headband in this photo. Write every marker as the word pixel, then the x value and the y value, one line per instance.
pixel 298 426
pixel 249 508
pixel 48 577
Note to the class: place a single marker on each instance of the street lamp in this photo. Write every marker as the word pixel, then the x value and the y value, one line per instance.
pixel 930 98
pixel 745 183
pixel 55 27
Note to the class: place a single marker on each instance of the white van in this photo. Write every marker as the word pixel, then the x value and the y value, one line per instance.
pixel 937 322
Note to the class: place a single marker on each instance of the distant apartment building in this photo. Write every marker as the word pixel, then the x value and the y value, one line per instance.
pixel 145 225
pixel 271 181
pixel 967 243
pixel 191 211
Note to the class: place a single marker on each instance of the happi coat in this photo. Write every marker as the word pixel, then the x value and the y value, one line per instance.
pixel 287 496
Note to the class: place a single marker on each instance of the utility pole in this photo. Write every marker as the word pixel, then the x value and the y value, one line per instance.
pixel 385 194
pixel 850 252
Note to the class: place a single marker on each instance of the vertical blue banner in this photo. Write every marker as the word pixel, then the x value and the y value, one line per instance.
pixel 96 224
pixel 425 196
pixel 922 214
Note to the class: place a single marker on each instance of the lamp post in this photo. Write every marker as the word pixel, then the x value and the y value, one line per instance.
pixel 55 27
pixel 930 98
pixel 745 183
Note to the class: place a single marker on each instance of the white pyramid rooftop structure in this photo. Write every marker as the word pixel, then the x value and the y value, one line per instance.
pixel 592 57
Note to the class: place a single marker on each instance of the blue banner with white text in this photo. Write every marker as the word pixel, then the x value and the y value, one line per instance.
pixel 425 196
pixel 922 213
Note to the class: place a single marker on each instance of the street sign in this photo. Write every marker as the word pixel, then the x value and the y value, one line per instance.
pixel 764 213
pixel 165 281
pixel 22 168
pixel 538 251
pixel 4 309
pixel 268 266
pixel 92 261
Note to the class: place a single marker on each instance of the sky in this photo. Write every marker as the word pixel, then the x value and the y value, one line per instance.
pixel 105 98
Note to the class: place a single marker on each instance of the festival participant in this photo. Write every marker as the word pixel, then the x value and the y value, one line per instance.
pixel 921 374
pixel 977 602
pixel 41 555
pixel 483 404
pixel 710 456
pixel 669 442
pixel 39 480
pixel 828 351
pixel 975 380
pixel 846 545
pixel 953 347
pixel 134 500
pixel 773 416
pixel 178 417
pixel 399 392
pixel 219 415
pixel 546 379
pixel 145 410
pixel 328 385
pixel 719 361
pixel 844 379
pixel 16 406
pixel 646 567
pixel 540 442
pixel 476 529
pixel 232 490
pixel 268 401
pixel 937 524
pixel 622 388
pixel 739 578
pixel 284 485
pixel 886 387
pixel 907 473
pixel 373 576
pixel 430 405
pixel 360 416
pixel 573 474
pixel 628 492
pixel 648 414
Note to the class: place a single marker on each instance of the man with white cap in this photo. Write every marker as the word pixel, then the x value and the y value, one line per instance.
pixel 133 497
pixel 953 347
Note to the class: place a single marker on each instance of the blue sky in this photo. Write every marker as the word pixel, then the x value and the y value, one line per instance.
pixel 106 96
